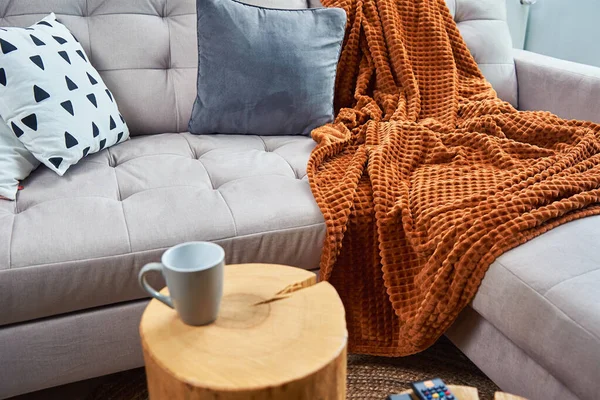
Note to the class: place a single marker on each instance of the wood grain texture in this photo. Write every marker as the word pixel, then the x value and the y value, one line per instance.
pixel 279 335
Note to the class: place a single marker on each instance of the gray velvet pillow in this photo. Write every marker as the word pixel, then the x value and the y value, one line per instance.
pixel 265 71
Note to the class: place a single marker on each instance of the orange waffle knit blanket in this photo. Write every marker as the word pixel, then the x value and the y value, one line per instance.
pixel 425 177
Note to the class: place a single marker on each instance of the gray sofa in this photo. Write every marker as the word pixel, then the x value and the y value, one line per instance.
pixel 71 247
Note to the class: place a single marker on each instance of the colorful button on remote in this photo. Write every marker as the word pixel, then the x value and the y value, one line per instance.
pixel 434 389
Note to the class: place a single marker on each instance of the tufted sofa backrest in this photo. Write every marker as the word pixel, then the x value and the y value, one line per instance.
pixel 146 50
pixel 483 26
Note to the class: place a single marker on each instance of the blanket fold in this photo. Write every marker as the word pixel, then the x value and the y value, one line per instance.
pixel 426 177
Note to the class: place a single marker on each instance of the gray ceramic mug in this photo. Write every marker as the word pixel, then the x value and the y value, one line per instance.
pixel 194 275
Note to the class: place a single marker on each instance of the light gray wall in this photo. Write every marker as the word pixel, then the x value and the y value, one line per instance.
pixel 567 29
pixel 516 15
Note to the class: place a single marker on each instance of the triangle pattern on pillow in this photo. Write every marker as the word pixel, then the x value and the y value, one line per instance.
pixel 67 105
pixel 6 47
pixel 18 131
pixel 70 84
pixel 30 121
pixel 39 94
pixel 58 146
pixel 92 98
pixel 64 55
pixel 70 141
pixel 59 39
pixel 91 78
pixel 37 60
pixel 37 41
pixel 81 55
pixel 56 161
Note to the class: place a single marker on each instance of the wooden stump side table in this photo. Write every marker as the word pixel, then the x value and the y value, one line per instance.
pixel 279 335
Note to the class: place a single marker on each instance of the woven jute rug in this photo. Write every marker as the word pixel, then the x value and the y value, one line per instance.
pixel 369 377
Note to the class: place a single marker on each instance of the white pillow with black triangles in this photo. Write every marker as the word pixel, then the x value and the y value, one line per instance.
pixel 52 98
pixel 16 163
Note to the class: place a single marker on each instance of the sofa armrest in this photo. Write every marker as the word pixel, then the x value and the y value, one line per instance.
pixel 567 89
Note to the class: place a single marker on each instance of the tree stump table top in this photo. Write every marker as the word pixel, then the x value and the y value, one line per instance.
pixel 279 334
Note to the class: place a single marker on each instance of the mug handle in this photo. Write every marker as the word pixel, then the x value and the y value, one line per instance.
pixel 158 267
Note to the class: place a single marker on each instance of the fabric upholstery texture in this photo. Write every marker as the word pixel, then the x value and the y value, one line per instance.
pixel 568 89
pixel 117 211
pixel 426 176
pixel 165 61
pixel 286 4
pixel 508 365
pixel 68 348
pixel 16 162
pixel 143 49
pixel 273 74
pixel 52 97
pixel 543 296
pixel 146 49
pixel 483 26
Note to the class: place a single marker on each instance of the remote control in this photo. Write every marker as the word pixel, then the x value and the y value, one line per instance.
pixel 434 389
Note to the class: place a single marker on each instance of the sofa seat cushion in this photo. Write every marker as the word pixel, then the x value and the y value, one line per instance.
pixel 543 296
pixel 78 241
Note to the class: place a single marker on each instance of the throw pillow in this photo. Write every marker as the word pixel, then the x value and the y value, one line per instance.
pixel 16 162
pixel 52 97
pixel 265 71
